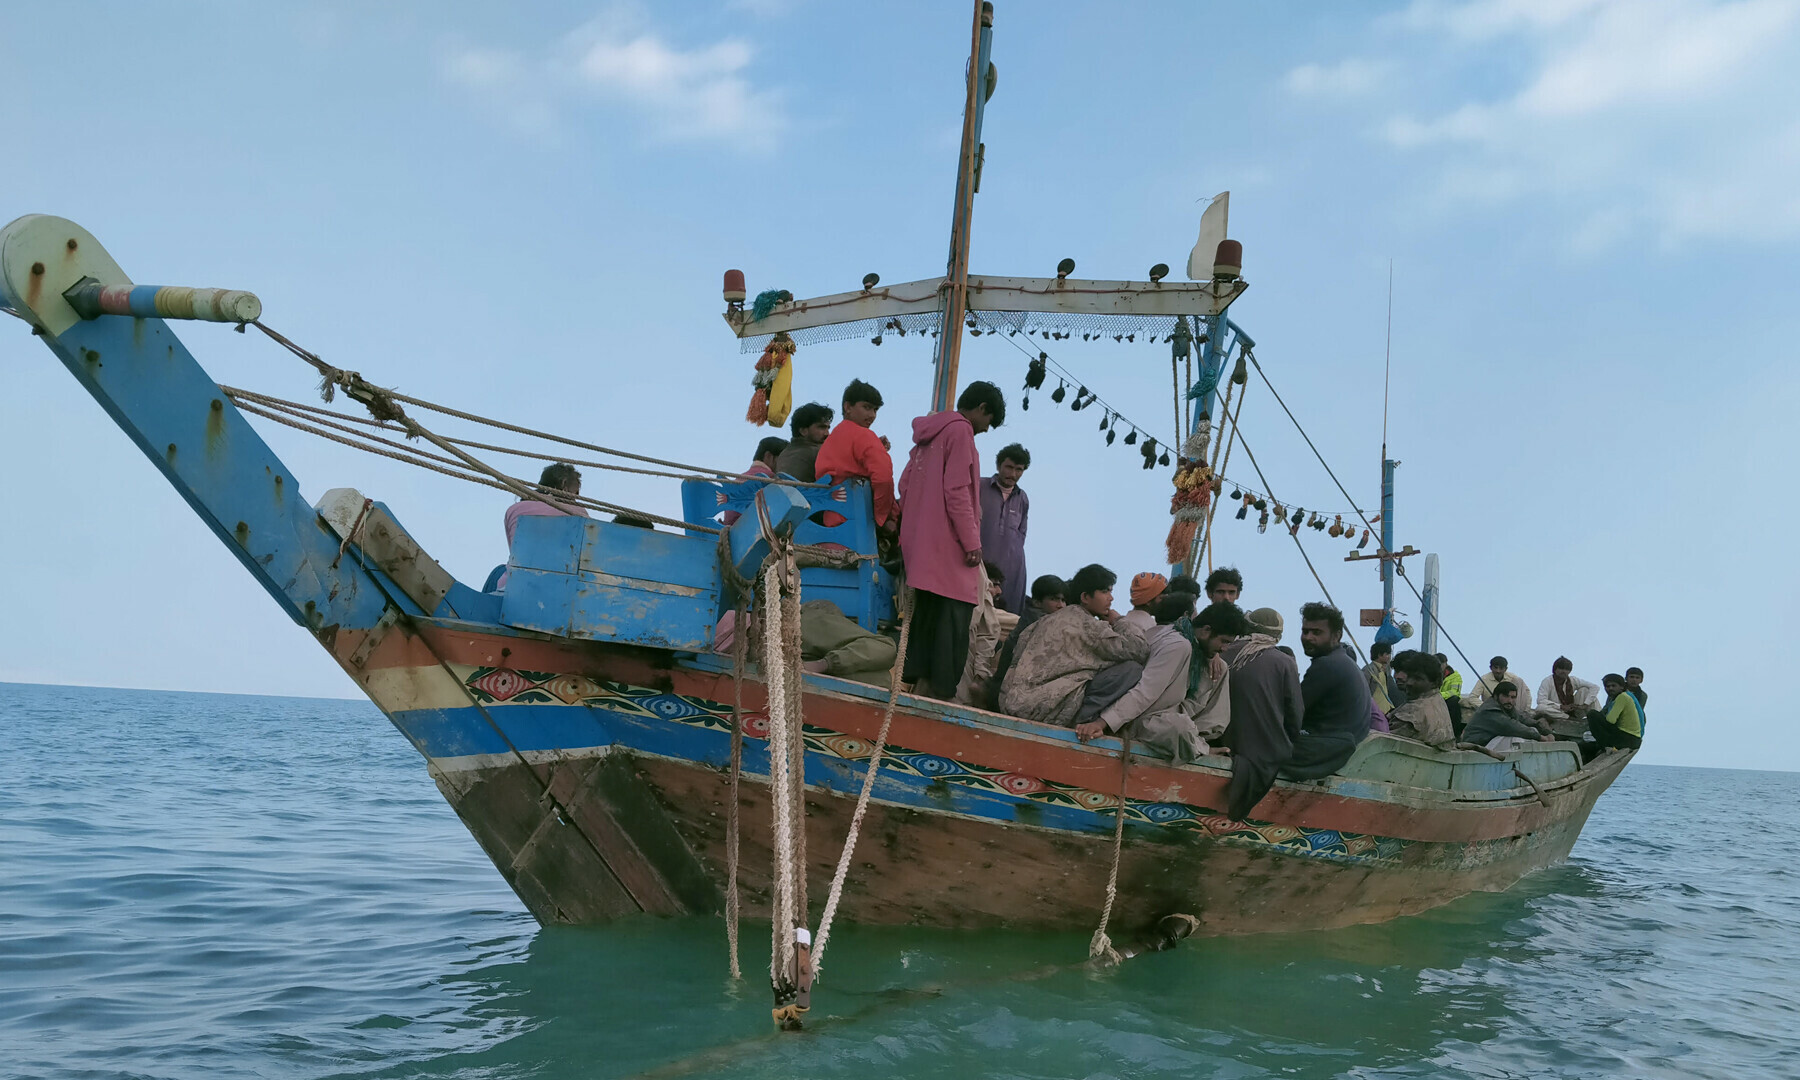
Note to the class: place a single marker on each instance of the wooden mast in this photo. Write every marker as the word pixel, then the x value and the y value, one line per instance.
pixel 968 167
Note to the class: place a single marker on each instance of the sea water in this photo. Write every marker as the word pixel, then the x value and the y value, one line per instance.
pixel 201 885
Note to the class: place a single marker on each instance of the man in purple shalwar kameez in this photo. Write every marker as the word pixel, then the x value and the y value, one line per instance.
pixel 1005 514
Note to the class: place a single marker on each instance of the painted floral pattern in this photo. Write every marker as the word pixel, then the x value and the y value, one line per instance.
pixel 491 685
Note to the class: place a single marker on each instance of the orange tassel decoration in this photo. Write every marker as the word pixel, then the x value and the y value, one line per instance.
pixel 1181 539
pixel 759 406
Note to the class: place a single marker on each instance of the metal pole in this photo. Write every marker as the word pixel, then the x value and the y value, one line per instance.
pixel 956 275
pixel 1387 536
pixel 1428 637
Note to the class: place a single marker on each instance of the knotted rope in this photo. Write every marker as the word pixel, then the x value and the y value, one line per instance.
pixel 1101 947
pixel 788 974
pixel 862 799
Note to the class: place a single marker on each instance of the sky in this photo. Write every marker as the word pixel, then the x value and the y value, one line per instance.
pixel 1591 209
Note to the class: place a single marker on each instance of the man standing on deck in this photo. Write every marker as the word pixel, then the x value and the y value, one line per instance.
pixel 940 536
pixel 854 452
pixel 1335 694
pixel 1266 713
pixel 1005 515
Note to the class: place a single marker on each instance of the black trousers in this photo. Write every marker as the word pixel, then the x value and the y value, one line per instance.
pixel 937 648
pixel 1607 737
pixel 1108 685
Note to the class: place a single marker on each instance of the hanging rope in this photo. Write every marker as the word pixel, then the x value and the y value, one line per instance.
pixel 789 976
pixel 1101 946
pixel 1303 555
pixel 862 799
pixel 1223 460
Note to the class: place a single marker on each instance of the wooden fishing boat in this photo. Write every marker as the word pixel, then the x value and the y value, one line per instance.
pixel 583 730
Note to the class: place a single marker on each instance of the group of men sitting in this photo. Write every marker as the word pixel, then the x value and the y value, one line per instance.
pixel 1175 677
pixel 1421 695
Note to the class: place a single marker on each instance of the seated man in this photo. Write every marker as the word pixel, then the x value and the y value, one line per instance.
pixel 989 628
pixel 1563 697
pixel 1073 663
pixel 1634 682
pixel 1048 594
pixel 1497 674
pixel 1451 689
pixel 831 643
pixel 1208 702
pixel 1266 711
pixel 853 452
pixel 1617 725
pixel 1146 589
pixel 810 424
pixel 1499 726
pixel 768 452
pixel 1383 686
pixel 1425 717
pixel 1335 695
pixel 555 480
pixel 1163 684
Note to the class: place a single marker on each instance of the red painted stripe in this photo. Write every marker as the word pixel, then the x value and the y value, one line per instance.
pixel 1059 761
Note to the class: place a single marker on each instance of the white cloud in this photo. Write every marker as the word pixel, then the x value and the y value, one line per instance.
pixel 1672 117
pixel 701 93
pixel 1345 78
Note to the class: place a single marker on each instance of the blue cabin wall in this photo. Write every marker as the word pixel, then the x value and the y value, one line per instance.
pixel 865 593
pixel 597 580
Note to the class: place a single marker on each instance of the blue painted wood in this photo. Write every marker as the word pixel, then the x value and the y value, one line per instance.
pixel 601 581
pixel 865 593
pixel 165 402
pixel 784 508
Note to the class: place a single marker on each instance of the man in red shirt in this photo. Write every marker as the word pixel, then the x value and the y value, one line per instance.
pixel 853 451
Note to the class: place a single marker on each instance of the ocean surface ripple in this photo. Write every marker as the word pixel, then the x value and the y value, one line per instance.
pixel 262 887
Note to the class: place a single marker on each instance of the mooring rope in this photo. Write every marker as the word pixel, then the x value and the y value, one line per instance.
pixel 740 637
pixel 1101 946
pixel 862 799
pixel 332 377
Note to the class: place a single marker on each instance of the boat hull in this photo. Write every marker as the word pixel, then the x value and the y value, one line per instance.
pixel 596 778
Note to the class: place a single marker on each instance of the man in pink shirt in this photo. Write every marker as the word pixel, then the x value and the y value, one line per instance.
pixel 557 479
pixel 940 536
pixel 852 450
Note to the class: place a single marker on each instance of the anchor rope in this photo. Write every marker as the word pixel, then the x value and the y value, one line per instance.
pixel 740 638
pixel 862 799
pixel 787 781
pixel 1101 946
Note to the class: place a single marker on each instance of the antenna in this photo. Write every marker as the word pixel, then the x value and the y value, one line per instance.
pixel 1387 365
